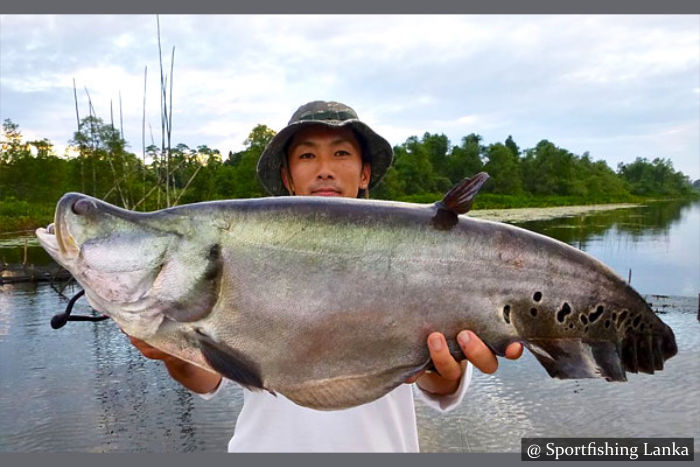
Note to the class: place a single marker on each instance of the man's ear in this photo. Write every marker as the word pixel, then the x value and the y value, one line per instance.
pixel 365 175
pixel 287 181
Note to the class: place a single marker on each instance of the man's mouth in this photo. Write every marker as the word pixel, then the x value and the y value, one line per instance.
pixel 326 192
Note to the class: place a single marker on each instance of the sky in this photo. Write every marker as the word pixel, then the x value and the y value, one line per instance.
pixel 616 86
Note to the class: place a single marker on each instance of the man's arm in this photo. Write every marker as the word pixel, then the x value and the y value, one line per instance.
pixel 191 376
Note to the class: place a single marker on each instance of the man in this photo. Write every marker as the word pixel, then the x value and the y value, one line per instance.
pixel 325 150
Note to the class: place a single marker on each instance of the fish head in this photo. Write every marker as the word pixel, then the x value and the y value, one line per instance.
pixel 139 268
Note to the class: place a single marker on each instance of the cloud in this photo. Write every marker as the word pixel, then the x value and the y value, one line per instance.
pixel 612 81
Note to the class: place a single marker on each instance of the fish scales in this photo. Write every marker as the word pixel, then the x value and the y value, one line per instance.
pixel 330 301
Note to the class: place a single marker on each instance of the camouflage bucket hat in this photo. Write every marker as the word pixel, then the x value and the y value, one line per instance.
pixel 330 114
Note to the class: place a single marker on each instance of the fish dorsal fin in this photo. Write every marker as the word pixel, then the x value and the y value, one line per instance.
pixel 458 201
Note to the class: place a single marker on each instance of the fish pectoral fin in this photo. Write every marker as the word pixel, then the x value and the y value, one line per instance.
pixel 458 201
pixel 578 358
pixel 231 363
pixel 347 391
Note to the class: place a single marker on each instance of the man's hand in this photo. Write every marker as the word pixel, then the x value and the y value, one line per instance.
pixel 448 371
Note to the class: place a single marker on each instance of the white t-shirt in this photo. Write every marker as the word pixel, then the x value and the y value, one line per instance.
pixel 270 423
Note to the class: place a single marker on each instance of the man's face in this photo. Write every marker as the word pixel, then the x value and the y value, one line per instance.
pixel 325 162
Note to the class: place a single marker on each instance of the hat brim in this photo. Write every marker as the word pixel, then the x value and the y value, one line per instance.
pixel 379 151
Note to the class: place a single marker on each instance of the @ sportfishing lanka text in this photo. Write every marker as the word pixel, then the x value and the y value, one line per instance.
pixel 616 449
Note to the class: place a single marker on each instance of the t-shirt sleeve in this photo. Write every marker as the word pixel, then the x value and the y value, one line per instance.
pixel 216 391
pixel 448 402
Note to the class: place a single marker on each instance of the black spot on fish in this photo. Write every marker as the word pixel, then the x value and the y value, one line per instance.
pixel 506 313
pixel 583 318
pixel 561 314
pixel 621 321
pixel 614 316
pixel 635 323
pixel 585 329
pixel 571 325
pixel 537 297
pixel 607 323
pixel 596 314
pixel 215 264
pixel 214 251
pixel 533 311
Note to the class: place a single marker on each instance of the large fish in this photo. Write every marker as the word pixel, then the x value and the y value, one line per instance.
pixel 330 301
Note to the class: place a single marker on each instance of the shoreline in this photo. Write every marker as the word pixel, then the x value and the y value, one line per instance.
pixel 514 215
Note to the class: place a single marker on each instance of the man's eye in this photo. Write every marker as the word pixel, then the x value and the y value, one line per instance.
pixel 342 152
pixel 306 155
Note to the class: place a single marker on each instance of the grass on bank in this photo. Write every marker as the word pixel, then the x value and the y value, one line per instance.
pixel 494 201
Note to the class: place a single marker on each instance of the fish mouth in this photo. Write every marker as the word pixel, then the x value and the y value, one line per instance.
pixel 58 243
pixel 48 240
pixel 56 238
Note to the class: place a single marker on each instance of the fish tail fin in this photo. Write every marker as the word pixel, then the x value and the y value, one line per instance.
pixel 646 351
pixel 578 358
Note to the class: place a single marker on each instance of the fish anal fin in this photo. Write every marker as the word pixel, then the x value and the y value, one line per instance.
pixel 347 391
pixel 231 363
pixel 458 201
pixel 578 358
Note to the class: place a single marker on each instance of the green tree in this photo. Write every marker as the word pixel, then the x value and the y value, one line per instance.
pixel 504 168
pixel 654 178
pixel 12 146
pixel 258 137
pixel 392 186
pixel 243 181
pixel 413 166
pixel 437 147
pixel 510 144
pixel 549 170
pixel 465 160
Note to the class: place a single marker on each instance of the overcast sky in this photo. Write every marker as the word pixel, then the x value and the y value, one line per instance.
pixel 619 86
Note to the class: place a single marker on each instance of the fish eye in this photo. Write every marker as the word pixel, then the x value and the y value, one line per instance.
pixel 83 207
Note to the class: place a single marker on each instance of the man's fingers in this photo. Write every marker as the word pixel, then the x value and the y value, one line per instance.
pixel 477 352
pixel 444 363
pixel 436 384
pixel 514 351
pixel 413 379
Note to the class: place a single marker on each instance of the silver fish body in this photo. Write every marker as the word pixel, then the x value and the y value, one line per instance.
pixel 330 301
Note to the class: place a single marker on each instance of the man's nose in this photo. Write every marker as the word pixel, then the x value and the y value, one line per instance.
pixel 325 169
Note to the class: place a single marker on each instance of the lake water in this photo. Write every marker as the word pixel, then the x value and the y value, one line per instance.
pixel 84 388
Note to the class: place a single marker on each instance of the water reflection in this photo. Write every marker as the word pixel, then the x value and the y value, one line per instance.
pixel 658 244
pixel 652 220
